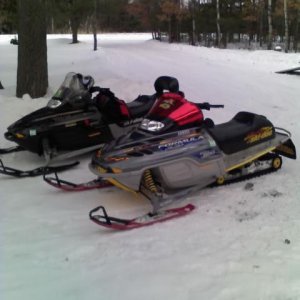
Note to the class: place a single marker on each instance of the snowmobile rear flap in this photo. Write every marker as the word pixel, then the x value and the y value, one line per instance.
pixel 287 149
pixel 244 130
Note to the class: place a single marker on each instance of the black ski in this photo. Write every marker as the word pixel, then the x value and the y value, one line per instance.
pixel 34 172
pixel 65 185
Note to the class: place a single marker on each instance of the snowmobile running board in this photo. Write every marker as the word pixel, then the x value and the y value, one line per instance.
pixel 11 149
pixel 71 186
pixel 291 71
pixel 148 219
pixel 34 172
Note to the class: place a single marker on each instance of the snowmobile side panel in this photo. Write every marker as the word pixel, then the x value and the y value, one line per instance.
pixel 245 156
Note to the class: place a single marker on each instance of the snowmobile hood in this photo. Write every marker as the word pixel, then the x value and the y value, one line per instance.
pixel 71 96
pixel 44 115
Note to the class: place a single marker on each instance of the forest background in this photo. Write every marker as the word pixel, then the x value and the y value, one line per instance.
pixel 256 23
pixel 246 24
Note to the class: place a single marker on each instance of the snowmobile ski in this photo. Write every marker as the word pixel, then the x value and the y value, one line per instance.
pixel 34 172
pixel 103 219
pixel 11 149
pixel 71 186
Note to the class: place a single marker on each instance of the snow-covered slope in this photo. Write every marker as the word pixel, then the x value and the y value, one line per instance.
pixel 239 244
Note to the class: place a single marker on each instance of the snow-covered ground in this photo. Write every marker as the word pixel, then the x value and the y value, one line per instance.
pixel 238 244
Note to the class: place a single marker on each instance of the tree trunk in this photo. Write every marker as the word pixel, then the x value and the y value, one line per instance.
pixel 32 73
pixel 286 27
pixel 218 24
pixel 95 25
pixel 74 27
pixel 170 30
pixel 261 26
pixel 295 41
pixel 270 35
pixel 193 25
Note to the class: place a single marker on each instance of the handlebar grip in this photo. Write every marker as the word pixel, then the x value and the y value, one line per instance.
pixel 207 106
pixel 217 105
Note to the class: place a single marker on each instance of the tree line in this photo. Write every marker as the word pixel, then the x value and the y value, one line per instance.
pixel 217 23
pixel 205 22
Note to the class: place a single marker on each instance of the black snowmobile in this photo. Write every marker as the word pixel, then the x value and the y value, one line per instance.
pixel 73 123
pixel 175 152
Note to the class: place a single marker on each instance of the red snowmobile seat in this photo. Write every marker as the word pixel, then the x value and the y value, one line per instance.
pixel 142 105
pixel 243 131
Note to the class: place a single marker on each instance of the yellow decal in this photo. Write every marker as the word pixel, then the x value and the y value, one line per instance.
pixel 101 170
pixel 20 135
pixel 167 103
pixel 94 134
pixel 70 124
pixel 250 159
pixel 116 170
pixel 116 158
pixel 286 149
pixel 121 185
pixel 258 135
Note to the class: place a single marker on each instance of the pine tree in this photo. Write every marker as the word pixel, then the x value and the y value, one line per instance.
pixel 32 73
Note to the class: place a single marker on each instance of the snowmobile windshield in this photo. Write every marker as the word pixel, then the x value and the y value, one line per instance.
pixel 72 90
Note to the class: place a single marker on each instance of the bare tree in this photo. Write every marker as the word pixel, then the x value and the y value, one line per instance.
pixel 32 73
pixel 270 35
pixel 286 27
pixel 94 24
pixel 193 8
pixel 218 24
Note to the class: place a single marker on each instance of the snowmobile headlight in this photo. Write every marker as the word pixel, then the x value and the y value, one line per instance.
pixel 151 125
pixel 54 103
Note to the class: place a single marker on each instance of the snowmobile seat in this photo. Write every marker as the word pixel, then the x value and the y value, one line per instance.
pixel 141 105
pixel 244 130
pixel 168 83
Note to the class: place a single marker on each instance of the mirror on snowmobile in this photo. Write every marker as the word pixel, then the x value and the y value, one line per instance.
pixel 74 90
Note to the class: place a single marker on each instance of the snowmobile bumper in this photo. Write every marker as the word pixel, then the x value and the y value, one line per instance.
pixel 287 149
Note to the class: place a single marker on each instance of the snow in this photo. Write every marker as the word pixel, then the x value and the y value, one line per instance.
pixel 239 244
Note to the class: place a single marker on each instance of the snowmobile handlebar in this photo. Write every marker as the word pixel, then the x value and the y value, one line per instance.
pixel 208 106
pixel 95 89
pixel 102 91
